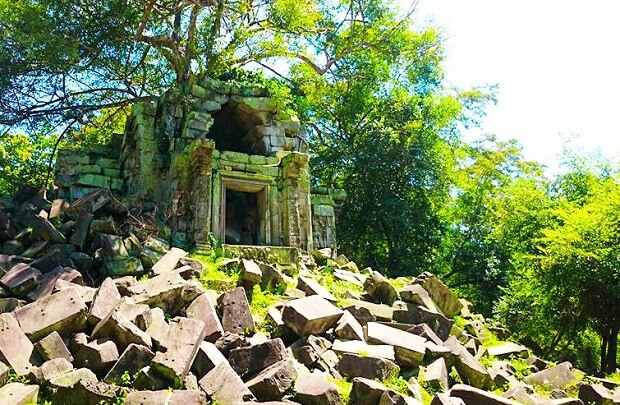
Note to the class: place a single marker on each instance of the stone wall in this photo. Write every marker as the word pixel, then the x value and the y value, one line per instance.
pixel 326 203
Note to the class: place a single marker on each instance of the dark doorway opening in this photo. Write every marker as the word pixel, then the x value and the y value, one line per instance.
pixel 242 218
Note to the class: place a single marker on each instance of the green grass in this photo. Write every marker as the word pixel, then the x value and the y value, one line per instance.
pixel 397 384
pixel 260 302
pixel 215 276
pixel 344 388
pixel 615 377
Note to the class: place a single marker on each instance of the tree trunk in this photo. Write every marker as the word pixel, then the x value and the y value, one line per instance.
pixel 612 350
pixel 604 344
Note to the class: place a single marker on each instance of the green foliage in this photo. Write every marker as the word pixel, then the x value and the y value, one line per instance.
pixel 398 384
pixel 24 161
pixel 344 388
pixel 215 276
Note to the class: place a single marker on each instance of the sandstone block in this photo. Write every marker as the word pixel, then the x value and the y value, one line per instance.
pixel 104 301
pixel 349 328
pixel 253 358
pixel 595 394
pixel 251 273
pixel 416 294
pixel 169 261
pixel 442 296
pixel 202 309
pixel 435 374
pixel 415 314
pixel 472 372
pixel 54 368
pixel 207 358
pixel 236 313
pixel 316 390
pixel 19 394
pixel 409 349
pixel 134 358
pixel 366 391
pixel 311 315
pixel 311 287
pixel 166 397
pixel 379 312
pixel 359 347
pixel 353 365
pixel 52 347
pixel 273 382
pixel 15 347
pixel 380 289
pixel 21 279
pixel 223 385
pixel 558 377
pixel 98 355
pixel 64 312
pixel 120 329
pixel 475 396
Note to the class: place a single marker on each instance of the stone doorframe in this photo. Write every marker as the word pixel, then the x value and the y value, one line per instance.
pixel 264 186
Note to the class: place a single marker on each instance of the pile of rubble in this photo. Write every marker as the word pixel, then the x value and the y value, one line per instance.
pixel 95 310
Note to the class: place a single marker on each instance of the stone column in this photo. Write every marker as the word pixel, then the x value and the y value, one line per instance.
pixel 296 205
pixel 201 160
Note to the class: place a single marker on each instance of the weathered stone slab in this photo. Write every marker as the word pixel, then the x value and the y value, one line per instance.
pixel 311 287
pixel 558 377
pixel 98 355
pixel 380 289
pixel 170 291
pixel 311 315
pixel 272 278
pixel 273 382
pixel 353 365
pixel 379 312
pixel 169 261
pixel 316 390
pixel 409 349
pixel 181 346
pixel 117 327
pixel 366 391
pixel 360 347
pixel 90 203
pixel 202 309
pixel 595 394
pixel 349 328
pixel 235 311
pixel 54 368
pixel 415 314
pixel 86 392
pixel 134 358
pixel 104 301
pixel 470 371
pixel 508 349
pixel 19 394
pixel 166 397
pixel 223 385
pixel 81 229
pixel 15 348
pixel 416 294
pixel 207 358
pixel 435 374
pixel 253 358
pixel 475 396
pixel 68 380
pixel 442 296
pixel 251 274
pixel 445 399
pixel 52 347
pixel 49 280
pixel 46 231
pixel 21 279
pixel 426 332
pixel 64 312
pixel 152 250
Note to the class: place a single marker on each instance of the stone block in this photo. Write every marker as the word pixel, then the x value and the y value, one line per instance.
pixel 202 309
pixel 153 249
pixel 349 328
pixel 81 230
pixel 557 377
pixel 474 396
pixel 98 355
pixel 125 266
pixel 12 247
pixel 272 278
pixel 316 390
pixel 379 312
pixel 508 349
pixel 64 312
pixel 15 348
pixel 416 294
pixel 21 279
pixel 251 273
pixel 253 358
pixel 19 394
pixel 235 312
pixel 48 282
pixel 409 349
pixel 134 358
pixel 470 371
pixel 354 365
pixel 415 314
pixel 53 347
pixel 224 386
pixel 380 289
pixel 68 380
pixel 118 327
pixel 311 287
pixel 170 291
pixel 274 381
pixel 104 301
pixel 50 260
pixel 86 392
pixel 435 374
pixel 166 397
pixel 360 347
pixel 181 346
pixel 365 391
pixel 93 180
pixel 169 261
pixel 310 315
pixel 441 295
pixel 46 231
pixel 55 368
pixel 90 203
pixel 207 358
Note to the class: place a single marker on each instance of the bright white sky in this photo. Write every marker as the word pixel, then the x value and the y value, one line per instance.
pixel 557 63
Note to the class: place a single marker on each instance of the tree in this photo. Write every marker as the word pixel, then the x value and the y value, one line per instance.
pixel 572 283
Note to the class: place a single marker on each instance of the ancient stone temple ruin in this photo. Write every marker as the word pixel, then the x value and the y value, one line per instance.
pixel 216 160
